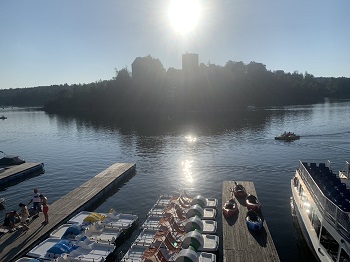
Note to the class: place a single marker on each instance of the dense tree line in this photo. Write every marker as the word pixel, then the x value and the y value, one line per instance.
pixel 152 90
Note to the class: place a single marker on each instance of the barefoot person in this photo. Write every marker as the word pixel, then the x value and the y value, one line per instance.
pixel 24 214
pixel 45 208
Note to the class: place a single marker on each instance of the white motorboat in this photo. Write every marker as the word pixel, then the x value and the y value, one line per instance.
pixel 321 203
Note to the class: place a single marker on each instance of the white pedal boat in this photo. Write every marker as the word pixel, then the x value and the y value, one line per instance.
pixel 54 248
pixel 190 224
pixel 111 219
pixel 195 210
pixel 184 201
pixel 46 251
pixel 88 253
pixel 146 237
pixel 27 259
pixel 136 254
pixel 101 235
pixel 202 242
pixel 121 220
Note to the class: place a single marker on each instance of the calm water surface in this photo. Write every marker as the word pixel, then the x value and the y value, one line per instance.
pixel 198 155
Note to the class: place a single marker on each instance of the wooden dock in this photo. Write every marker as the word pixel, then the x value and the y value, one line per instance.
pixel 16 244
pixel 239 243
pixel 17 173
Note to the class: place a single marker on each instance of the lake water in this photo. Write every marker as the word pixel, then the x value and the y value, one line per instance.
pixel 194 154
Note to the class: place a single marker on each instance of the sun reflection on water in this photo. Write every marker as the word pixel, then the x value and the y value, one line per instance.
pixel 191 139
pixel 187 169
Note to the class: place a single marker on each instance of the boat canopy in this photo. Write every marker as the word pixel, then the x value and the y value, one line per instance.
pixel 199 200
pixel 187 255
pixel 195 210
pixel 194 239
pixel 194 223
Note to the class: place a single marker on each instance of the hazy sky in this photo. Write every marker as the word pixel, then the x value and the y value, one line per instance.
pixel 46 42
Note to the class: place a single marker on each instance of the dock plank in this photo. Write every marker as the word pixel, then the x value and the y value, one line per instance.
pixel 16 244
pixel 239 243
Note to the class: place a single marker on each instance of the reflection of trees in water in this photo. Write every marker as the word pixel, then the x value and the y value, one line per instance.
pixel 147 133
pixel 196 123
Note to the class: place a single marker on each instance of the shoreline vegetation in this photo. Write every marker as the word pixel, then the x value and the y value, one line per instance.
pixel 209 89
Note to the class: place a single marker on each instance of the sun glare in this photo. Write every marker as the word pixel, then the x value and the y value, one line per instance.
pixel 184 15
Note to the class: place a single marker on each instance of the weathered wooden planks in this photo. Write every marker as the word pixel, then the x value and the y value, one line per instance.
pixel 16 244
pixel 239 243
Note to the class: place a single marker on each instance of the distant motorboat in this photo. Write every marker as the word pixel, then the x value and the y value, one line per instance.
pixel 3 117
pixel 287 136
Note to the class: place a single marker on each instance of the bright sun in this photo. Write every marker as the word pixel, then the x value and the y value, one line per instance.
pixel 184 15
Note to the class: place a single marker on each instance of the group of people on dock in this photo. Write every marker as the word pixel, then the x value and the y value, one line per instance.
pixel 13 218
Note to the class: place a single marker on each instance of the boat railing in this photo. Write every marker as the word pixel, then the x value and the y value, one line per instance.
pixel 338 218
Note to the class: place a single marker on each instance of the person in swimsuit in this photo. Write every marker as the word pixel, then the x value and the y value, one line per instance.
pixel 45 208
pixel 24 214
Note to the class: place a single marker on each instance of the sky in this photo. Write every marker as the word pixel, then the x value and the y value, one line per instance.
pixel 53 42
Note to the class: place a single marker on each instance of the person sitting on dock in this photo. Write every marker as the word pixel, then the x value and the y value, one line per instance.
pixel 11 219
pixel 36 203
pixel 45 208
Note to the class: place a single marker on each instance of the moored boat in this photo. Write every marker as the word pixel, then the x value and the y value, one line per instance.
pixel 254 221
pixel 183 213
pixel 253 203
pixel 230 208
pixel 10 160
pixel 239 191
pixel 185 200
pixel 321 204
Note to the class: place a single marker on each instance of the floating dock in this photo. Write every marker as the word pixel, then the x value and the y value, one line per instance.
pixel 16 244
pixel 239 243
pixel 18 173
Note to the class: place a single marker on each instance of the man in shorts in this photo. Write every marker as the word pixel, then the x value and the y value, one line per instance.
pixel 36 202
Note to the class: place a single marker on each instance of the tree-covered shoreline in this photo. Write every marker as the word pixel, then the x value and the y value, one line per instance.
pixel 209 89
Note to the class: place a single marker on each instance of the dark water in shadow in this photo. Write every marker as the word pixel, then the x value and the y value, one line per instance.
pixel 194 152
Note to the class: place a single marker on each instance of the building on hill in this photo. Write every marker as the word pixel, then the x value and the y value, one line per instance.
pixel 189 63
